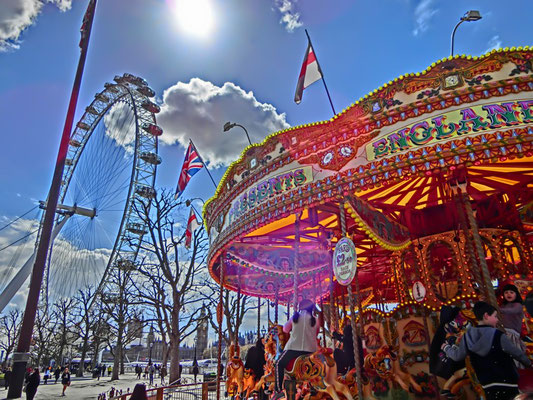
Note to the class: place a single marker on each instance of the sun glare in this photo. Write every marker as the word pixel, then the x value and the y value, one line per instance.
pixel 194 17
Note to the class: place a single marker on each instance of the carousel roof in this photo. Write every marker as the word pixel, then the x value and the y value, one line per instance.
pixel 391 159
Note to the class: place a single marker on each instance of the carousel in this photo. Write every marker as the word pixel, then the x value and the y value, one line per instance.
pixel 416 197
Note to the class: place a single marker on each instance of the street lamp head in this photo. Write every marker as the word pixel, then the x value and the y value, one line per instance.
pixel 228 126
pixel 472 15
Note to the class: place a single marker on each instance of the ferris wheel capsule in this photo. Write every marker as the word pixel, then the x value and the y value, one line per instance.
pixel 125 265
pixel 150 158
pixel 92 110
pixel 146 91
pixel 74 143
pixel 136 80
pixel 145 191
pixel 102 97
pixel 150 106
pixel 69 161
pixel 119 79
pixel 111 87
pixel 83 125
pixel 153 129
pixel 136 228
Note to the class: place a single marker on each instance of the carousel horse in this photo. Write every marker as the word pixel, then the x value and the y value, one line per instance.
pixel 317 370
pixel 453 324
pixel 234 372
pixel 383 364
pixel 248 382
pixel 272 349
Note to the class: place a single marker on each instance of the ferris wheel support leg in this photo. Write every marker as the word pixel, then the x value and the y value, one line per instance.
pixel 18 280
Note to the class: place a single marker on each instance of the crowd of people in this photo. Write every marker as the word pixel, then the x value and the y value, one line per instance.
pixel 495 355
pixel 32 379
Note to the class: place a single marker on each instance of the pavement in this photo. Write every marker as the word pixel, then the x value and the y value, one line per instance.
pixel 88 388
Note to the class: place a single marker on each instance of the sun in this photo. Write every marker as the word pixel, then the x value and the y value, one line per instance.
pixel 194 17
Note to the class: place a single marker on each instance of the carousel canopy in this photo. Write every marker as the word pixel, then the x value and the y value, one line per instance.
pixel 391 162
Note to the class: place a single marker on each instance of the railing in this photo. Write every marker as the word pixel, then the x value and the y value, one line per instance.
pixel 194 391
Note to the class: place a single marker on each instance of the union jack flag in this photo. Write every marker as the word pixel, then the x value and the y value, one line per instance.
pixel 192 163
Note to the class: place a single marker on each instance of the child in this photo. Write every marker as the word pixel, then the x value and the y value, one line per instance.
pixel 490 352
pixel 304 331
pixel 512 311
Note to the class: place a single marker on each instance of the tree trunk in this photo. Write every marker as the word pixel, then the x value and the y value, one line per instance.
pixel 118 354
pixel 95 355
pixel 122 363
pixel 174 359
pixel 83 354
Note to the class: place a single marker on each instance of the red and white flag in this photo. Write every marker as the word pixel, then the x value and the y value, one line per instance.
pixel 309 74
pixel 192 225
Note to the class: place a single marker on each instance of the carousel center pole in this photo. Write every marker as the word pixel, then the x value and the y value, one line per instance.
pixel 296 261
pixel 488 289
pixel 355 336
pixel 258 317
pixel 220 313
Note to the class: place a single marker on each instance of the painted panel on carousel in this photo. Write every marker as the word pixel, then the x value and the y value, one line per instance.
pixel 450 125
pixel 268 189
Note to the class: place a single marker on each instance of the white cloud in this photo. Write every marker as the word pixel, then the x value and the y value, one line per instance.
pixel 119 124
pixel 199 109
pixel 494 43
pixel 17 15
pixel 75 268
pixel 289 17
pixel 423 14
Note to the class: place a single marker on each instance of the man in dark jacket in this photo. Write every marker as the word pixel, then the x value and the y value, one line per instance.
pixel 491 353
pixel 7 377
pixel 33 380
pixel 255 359
pixel 345 358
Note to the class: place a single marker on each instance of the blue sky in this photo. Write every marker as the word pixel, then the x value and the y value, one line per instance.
pixel 244 70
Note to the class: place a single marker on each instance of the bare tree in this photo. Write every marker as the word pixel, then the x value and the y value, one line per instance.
pixel 236 306
pixel 119 304
pixel 85 319
pixel 9 331
pixel 44 331
pixel 171 273
pixel 63 319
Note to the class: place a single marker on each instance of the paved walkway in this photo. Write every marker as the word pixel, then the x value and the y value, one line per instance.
pixel 86 388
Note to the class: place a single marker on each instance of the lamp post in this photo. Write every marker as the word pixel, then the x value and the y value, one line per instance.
pixel 230 125
pixel 150 339
pixel 472 15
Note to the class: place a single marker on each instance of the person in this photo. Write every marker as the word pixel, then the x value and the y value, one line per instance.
pixel 345 358
pixel 109 370
pixel 163 374
pixel 57 373
pixel 491 353
pixel 151 371
pixel 46 375
pixel 32 382
pixel 7 377
pixel 255 359
pixel 304 327
pixel 195 370
pixel 138 371
pixel 139 392
pixel 512 311
pixel 65 380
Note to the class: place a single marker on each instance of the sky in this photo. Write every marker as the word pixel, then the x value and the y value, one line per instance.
pixel 227 60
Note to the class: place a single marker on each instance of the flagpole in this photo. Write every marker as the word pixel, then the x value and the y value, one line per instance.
pixel 202 160
pixel 321 73
pixel 21 355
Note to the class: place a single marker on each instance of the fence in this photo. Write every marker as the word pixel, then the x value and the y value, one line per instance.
pixel 194 391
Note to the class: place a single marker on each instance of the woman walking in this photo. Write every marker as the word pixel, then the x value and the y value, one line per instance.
pixel 34 379
pixel 65 380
